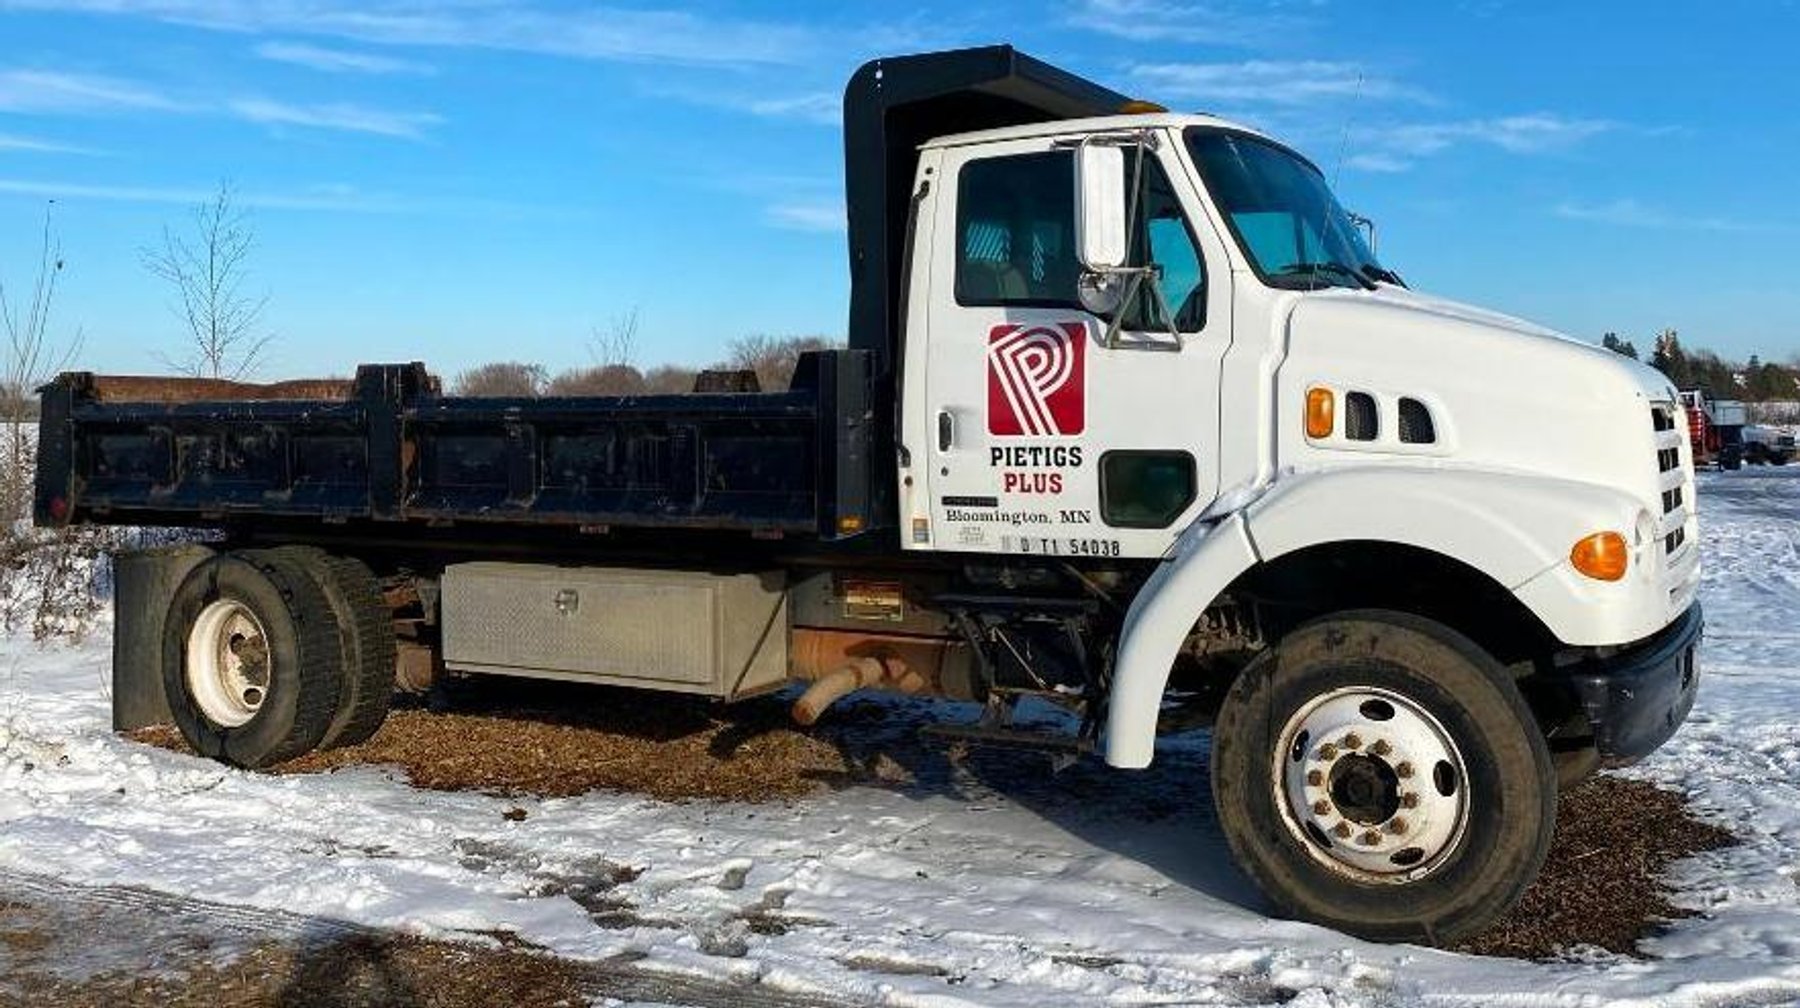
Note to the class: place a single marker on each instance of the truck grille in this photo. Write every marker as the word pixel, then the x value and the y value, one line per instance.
pixel 1672 478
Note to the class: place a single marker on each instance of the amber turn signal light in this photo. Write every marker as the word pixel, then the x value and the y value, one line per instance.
pixel 1602 556
pixel 1321 412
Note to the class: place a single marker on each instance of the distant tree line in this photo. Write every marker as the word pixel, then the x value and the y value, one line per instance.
pixel 1754 380
pixel 771 359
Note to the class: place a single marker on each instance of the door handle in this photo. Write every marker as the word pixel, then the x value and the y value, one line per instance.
pixel 946 430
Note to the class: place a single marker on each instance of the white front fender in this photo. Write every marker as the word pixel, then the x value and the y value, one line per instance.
pixel 1515 528
pixel 1206 559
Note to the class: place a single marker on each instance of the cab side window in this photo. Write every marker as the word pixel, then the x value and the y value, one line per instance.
pixel 1160 237
pixel 1015 226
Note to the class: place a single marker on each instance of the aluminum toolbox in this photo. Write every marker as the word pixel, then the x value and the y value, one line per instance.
pixel 722 635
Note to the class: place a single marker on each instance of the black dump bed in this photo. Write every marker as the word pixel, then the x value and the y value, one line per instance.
pixel 387 447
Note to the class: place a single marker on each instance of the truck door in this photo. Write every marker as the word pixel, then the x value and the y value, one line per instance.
pixel 1041 438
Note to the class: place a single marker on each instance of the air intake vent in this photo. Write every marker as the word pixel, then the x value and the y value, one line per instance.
pixel 1360 420
pixel 1415 423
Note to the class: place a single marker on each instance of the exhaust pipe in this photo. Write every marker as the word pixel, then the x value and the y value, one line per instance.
pixel 841 662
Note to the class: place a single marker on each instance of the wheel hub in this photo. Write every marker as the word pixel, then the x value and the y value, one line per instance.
pixel 1371 784
pixel 1365 789
pixel 228 663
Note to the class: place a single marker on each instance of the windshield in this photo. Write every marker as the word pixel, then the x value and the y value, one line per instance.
pixel 1283 213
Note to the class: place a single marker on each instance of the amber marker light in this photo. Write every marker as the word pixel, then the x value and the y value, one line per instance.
pixel 1602 556
pixel 1321 412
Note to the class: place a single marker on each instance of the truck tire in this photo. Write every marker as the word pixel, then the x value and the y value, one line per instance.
pixel 1378 773
pixel 251 663
pixel 365 637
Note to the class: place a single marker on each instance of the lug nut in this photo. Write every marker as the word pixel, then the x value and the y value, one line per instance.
pixel 1321 807
pixel 1404 770
pixel 1396 826
pixel 1352 741
pixel 1381 748
pixel 1370 838
pixel 1315 778
pixel 1328 752
pixel 1341 831
pixel 1409 800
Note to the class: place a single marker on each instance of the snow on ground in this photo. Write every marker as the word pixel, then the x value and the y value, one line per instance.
pixel 976 891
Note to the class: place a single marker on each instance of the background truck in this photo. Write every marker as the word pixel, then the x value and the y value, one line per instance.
pixel 1716 429
pixel 1767 445
pixel 1130 421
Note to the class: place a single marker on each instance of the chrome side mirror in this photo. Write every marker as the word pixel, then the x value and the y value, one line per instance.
pixel 1100 208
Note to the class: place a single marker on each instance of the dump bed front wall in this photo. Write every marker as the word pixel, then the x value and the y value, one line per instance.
pixel 392 450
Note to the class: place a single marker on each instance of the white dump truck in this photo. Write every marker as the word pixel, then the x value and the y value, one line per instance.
pixel 1130 421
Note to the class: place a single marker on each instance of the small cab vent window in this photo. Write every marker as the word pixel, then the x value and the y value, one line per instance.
pixel 1360 420
pixel 1145 489
pixel 1415 423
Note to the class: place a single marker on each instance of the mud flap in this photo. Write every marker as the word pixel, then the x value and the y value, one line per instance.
pixel 143 583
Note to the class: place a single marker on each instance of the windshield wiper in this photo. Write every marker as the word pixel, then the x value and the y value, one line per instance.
pixel 1331 268
pixel 1382 274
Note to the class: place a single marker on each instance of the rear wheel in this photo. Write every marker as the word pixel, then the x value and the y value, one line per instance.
pixel 251 661
pixel 1380 774
pixel 365 637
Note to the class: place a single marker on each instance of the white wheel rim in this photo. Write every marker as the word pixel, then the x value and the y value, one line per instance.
pixel 1371 785
pixel 228 663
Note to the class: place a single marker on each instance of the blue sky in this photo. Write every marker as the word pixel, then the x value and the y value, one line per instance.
pixel 470 180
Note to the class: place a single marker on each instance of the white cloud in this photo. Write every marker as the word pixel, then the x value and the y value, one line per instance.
pixel 50 92
pixel 1520 134
pixel 818 216
pixel 35 145
pixel 623 34
pixel 339 60
pixel 1396 147
pixel 823 107
pixel 1271 82
pixel 320 198
pixel 1633 214
pixel 45 91
pixel 1155 21
pixel 1383 163
pixel 335 116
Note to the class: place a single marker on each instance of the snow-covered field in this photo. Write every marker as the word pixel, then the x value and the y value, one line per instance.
pixel 968 893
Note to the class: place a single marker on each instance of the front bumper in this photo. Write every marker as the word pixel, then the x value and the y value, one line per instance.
pixel 1634 700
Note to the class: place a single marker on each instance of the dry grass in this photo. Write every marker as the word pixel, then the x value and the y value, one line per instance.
pixel 1602 884
pixel 550 740
pixel 74 947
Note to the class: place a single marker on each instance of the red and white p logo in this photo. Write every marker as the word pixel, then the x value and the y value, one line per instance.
pixel 1036 380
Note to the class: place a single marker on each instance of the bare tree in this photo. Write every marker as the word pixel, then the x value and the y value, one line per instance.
pixel 669 379
pixel 509 379
pixel 48 577
pixel 612 373
pixel 209 269
pixel 773 358
pixel 617 344
pixel 32 357
pixel 599 380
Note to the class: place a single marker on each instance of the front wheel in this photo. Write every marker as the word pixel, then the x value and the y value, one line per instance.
pixel 1380 774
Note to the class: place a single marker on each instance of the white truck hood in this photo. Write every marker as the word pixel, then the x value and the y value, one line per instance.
pixel 1650 381
pixel 1505 394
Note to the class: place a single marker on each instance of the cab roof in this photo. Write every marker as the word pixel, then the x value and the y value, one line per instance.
pixel 1092 124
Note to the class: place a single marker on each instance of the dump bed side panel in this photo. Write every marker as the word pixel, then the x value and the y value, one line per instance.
pixel 388 448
